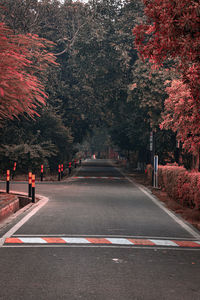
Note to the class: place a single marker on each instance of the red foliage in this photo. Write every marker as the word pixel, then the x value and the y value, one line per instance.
pixel 22 59
pixel 172 32
pixel 180 185
pixel 182 116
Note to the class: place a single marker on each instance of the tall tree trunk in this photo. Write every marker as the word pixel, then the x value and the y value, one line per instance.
pixel 195 162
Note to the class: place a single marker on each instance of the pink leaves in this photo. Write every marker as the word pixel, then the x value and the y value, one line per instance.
pixel 1 92
pixel 22 56
pixel 174 34
pixel 182 116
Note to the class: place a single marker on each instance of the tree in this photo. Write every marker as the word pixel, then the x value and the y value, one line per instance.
pixel 23 58
pixel 182 116
pixel 172 31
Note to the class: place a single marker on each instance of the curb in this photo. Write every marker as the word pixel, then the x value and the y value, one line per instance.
pixel 9 204
pixel 12 203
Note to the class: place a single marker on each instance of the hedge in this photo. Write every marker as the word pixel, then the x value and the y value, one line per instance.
pixel 181 185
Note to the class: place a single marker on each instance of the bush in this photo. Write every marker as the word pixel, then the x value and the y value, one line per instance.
pixel 181 185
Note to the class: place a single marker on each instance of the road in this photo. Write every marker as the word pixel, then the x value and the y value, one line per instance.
pixel 99 236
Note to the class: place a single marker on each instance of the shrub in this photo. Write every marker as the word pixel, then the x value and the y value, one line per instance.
pixel 181 185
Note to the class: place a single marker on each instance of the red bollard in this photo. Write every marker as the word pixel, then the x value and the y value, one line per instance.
pixel 62 171
pixel 33 188
pixel 58 172
pixel 14 169
pixel 29 184
pixel 8 181
pixel 42 171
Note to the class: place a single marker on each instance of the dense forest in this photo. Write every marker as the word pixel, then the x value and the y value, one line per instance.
pixel 94 72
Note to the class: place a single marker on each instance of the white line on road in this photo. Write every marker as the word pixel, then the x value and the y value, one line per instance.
pixel 76 240
pixel 172 215
pixel 164 243
pixel 119 241
pixel 39 205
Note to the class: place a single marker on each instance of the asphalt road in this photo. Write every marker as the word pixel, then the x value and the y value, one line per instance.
pixel 98 237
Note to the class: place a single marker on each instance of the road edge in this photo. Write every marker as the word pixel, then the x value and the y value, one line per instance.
pixel 42 201
pixel 178 219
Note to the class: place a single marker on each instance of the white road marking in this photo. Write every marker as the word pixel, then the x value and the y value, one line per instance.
pixel 76 240
pixel 164 243
pixel 10 232
pixel 119 241
pixel 178 220
pixel 172 215
pixel 33 240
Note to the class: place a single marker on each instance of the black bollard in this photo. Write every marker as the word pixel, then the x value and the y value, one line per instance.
pixel 42 171
pixel 33 188
pixel 8 181
pixel 29 184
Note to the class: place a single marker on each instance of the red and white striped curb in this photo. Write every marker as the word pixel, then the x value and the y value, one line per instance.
pixel 97 177
pixel 102 241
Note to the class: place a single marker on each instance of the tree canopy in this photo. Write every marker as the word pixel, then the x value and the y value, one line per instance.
pixel 82 56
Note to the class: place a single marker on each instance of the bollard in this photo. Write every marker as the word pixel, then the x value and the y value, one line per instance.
pixel 33 188
pixel 14 169
pixel 58 172
pixel 62 171
pixel 29 184
pixel 42 171
pixel 70 168
pixel 8 181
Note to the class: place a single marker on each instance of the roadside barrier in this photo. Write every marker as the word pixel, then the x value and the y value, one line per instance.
pixel 14 169
pixel 42 172
pixel 33 188
pixel 59 175
pixel 62 171
pixel 8 181
pixel 29 184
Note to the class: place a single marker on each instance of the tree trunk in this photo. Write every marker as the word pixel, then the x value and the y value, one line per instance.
pixel 195 162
